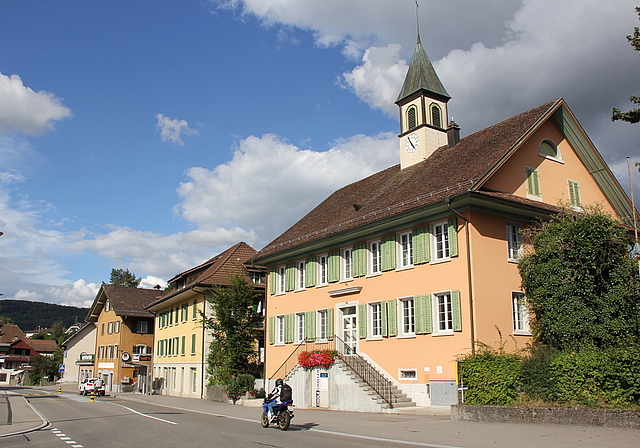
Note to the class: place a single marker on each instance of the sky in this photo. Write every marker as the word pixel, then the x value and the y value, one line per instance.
pixel 151 135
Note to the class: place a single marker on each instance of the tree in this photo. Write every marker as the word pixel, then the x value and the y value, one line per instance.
pixel 581 282
pixel 122 277
pixel 45 367
pixel 632 116
pixel 233 326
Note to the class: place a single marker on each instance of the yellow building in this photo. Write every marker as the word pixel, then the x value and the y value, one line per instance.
pixel 406 269
pixel 181 342
pixel 124 337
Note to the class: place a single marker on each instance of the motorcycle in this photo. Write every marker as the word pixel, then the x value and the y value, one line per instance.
pixel 282 417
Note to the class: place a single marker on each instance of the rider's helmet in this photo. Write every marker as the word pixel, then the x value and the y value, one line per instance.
pixel 279 382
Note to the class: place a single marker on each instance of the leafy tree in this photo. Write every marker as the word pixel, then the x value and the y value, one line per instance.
pixel 233 326
pixel 582 285
pixel 632 116
pixel 122 277
pixel 4 319
pixel 45 366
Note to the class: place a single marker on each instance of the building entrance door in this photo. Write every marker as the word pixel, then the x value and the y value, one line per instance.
pixel 350 328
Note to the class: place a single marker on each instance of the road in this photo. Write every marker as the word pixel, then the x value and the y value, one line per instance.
pixel 126 421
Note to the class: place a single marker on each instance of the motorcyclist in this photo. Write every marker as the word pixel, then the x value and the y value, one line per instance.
pixel 274 398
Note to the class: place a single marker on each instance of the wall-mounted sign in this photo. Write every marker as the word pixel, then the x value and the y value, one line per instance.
pixel 126 356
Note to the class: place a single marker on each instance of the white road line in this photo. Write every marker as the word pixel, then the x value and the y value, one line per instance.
pixel 144 415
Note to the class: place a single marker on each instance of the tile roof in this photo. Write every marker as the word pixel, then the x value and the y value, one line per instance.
pixel 11 333
pixel 446 173
pixel 42 345
pixel 421 76
pixel 127 301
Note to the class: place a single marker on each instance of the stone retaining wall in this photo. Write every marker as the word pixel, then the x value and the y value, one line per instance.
pixel 547 415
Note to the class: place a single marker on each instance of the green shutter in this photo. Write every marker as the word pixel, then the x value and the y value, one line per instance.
pixel 290 277
pixel 272 328
pixel 272 281
pixel 533 181
pixel 334 266
pixel 388 252
pixel 311 268
pixel 420 303
pixel 383 315
pixel 421 245
pixel 574 194
pixel 193 343
pixel 360 260
pixel 330 324
pixel 184 345
pixel 452 229
pixel 455 311
pixel 310 326
pixel 362 321
pixel 289 326
pixel 392 317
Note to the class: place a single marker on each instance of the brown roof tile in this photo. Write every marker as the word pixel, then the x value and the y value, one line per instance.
pixel 446 173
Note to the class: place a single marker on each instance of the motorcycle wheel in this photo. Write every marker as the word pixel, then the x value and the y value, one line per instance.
pixel 264 420
pixel 284 420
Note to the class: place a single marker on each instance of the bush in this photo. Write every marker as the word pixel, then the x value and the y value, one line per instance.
pixel 536 376
pixel 239 385
pixel 491 378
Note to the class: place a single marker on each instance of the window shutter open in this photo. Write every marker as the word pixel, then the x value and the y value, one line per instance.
pixel 289 326
pixel 533 181
pixel 421 245
pixel 360 260
pixel 392 317
pixel 362 320
pixel 334 266
pixel 290 277
pixel 456 311
pixel 388 247
pixel 452 229
pixel 311 268
pixel 383 315
pixel 272 281
pixel 330 324
pixel 272 332
pixel 421 303
pixel 310 326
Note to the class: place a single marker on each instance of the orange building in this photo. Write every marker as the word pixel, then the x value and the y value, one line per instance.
pixel 124 338
pixel 407 269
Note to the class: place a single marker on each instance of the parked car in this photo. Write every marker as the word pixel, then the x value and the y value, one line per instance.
pixel 89 385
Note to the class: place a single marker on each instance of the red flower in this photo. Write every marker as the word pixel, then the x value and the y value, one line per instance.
pixel 317 358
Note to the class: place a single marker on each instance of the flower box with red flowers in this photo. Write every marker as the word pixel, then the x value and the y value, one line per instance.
pixel 317 358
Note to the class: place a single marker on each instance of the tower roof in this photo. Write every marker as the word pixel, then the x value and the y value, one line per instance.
pixel 421 75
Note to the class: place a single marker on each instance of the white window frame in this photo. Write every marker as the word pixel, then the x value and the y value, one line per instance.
pixel 443 313
pixel 322 325
pixel 406 317
pixel 577 197
pixel 280 330
pixel 514 242
pixel 300 328
pixel 281 284
pixel 405 247
pixel 557 158
pixel 520 312
pixel 323 269
pixel 142 327
pixel 374 316
pixel 346 264
pixel 374 257
pixel 407 374
pixel 440 241
pixel 300 275
pixel 109 327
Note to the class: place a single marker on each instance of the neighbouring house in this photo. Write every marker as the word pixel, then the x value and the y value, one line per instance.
pixel 123 329
pixel 181 341
pixel 405 270
pixel 15 351
pixel 79 354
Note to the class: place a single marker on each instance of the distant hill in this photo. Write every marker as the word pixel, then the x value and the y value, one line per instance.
pixel 31 315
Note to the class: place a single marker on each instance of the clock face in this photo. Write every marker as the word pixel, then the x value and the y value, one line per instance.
pixel 413 141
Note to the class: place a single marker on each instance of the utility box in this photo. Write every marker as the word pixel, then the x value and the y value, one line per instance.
pixel 443 392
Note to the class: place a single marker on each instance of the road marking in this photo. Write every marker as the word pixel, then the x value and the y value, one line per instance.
pixel 144 415
pixel 62 436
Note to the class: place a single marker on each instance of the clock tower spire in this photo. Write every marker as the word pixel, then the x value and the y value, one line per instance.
pixel 423 110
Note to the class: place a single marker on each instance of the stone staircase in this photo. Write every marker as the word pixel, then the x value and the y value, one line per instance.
pixel 384 392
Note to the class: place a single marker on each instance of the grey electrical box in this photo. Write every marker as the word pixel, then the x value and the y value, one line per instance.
pixel 444 392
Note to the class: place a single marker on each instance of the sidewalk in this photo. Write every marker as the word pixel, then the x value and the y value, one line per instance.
pixel 17 415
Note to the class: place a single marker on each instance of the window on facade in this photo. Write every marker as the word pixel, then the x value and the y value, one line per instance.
pixel 141 326
pixel 407 316
pixel 322 325
pixel 533 182
pixel 102 328
pixel 174 375
pixel 322 270
pixel 549 149
pixel 375 320
pixel 300 275
pixel 440 236
pixel 193 344
pixel 107 306
pixel 194 380
pixel 520 313
pixel 574 194
pixel 514 241
pixel 300 327
pixel 139 349
pixel 110 327
pixel 185 312
pixel 194 314
pixel 347 264
pixel 444 312
pixel 281 280
pixel 101 352
pixel 436 116
pixel 279 329
pixel 183 347
pixel 109 351
pixel 116 326
pixel 375 259
pixel 412 117
pixel 406 249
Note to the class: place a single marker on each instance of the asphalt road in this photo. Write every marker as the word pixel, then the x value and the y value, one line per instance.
pixel 157 421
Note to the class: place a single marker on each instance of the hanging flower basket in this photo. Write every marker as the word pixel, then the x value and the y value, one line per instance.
pixel 317 358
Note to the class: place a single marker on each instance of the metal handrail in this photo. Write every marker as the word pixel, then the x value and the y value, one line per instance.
pixel 292 360
pixel 361 367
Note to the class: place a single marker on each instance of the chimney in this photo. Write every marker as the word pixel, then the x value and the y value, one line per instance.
pixel 453 134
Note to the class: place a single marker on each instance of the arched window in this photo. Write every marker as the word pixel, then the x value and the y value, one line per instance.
pixel 549 149
pixel 436 116
pixel 412 121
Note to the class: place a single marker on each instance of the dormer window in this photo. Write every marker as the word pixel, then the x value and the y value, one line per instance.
pixel 412 117
pixel 436 116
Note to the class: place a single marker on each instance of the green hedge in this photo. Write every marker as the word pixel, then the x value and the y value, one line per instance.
pixel 490 378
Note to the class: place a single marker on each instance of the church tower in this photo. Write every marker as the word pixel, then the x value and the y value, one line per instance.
pixel 423 110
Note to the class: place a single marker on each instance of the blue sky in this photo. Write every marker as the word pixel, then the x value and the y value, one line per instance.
pixel 151 135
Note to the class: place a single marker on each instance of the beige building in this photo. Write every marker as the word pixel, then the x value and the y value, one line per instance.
pixel 79 354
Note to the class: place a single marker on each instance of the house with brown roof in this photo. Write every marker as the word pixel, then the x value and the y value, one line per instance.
pixel 15 351
pixel 181 341
pixel 406 269
pixel 124 329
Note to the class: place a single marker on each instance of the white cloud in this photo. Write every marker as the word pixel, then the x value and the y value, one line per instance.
pixel 23 294
pixel 26 111
pixel 270 183
pixel 151 282
pixel 172 129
